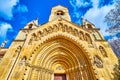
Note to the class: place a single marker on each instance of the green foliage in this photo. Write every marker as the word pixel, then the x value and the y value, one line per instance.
pixel 117 71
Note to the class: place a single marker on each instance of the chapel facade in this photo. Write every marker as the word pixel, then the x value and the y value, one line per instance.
pixel 58 50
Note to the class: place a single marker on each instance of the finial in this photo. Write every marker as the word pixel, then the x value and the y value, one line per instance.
pixel 4 43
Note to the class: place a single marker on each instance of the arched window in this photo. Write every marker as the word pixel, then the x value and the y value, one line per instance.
pixel 45 32
pixel 103 52
pixel 89 25
pixel 34 36
pixel 65 28
pixel 50 29
pixel 30 26
pixel 75 32
pixel 81 35
pixel 60 25
pixel 70 30
pixel 55 28
pixel 98 61
pixel 97 35
pixel 88 39
pixel 39 33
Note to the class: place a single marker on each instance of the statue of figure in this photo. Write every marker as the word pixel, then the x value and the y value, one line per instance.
pixel 23 60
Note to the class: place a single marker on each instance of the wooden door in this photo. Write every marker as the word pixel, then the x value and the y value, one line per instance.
pixel 59 77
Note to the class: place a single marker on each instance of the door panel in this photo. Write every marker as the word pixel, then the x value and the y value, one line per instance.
pixel 59 77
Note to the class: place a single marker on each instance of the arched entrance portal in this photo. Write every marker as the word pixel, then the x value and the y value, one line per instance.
pixel 61 59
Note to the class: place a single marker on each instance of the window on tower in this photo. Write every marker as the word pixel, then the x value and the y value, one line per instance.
pixel 60 12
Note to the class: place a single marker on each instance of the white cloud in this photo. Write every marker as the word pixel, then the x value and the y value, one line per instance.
pixel 79 3
pixel 6 7
pixel 4 28
pixel 97 15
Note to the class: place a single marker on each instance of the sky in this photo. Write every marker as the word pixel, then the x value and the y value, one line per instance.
pixel 15 14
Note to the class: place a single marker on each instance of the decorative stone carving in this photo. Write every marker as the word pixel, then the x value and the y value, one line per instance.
pixel 55 28
pixel 23 60
pixel 75 32
pixel 50 30
pixel 59 68
pixel 70 30
pixel 34 36
pixel 60 26
pixel 103 52
pixel 45 32
pixel 39 33
pixel 65 28
pixel 98 62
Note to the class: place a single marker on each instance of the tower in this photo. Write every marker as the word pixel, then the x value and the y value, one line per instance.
pixel 59 11
pixel 58 50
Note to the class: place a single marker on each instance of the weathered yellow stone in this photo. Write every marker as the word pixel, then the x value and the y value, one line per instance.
pixel 58 47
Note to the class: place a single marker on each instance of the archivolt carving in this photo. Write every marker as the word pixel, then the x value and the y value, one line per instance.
pixel 58 28
pixel 68 60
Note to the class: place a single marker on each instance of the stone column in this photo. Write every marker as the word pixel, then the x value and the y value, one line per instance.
pixel 46 75
pixel 43 74
pixel 50 76
pixel 30 74
pixel 81 72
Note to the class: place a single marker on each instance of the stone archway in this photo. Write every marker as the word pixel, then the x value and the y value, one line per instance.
pixel 59 50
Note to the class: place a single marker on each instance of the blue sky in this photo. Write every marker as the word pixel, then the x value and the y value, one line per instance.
pixel 14 14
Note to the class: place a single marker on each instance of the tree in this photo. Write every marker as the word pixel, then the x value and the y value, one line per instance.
pixel 113 18
pixel 117 71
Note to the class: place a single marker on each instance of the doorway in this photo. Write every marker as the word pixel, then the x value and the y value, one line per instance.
pixel 59 76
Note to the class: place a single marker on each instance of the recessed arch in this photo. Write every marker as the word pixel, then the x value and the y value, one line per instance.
pixel 63 55
pixel 73 56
